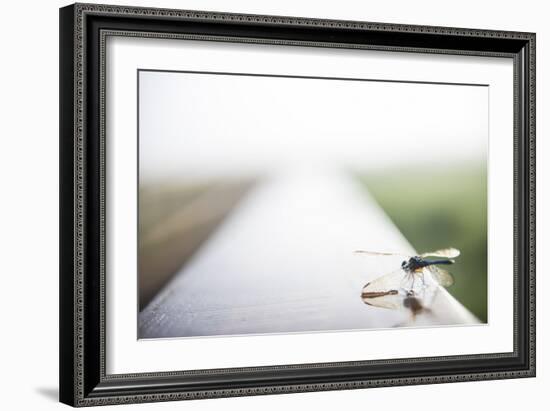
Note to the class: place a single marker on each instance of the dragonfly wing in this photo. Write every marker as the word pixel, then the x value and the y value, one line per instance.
pixel 386 291
pixel 443 277
pixel 391 300
pixel 381 253
pixel 446 253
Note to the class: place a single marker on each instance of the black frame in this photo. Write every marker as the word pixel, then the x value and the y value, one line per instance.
pixel 83 29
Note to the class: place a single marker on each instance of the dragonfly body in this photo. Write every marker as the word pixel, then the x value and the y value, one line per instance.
pixel 417 263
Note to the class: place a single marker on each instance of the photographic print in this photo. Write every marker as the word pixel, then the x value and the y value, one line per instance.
pixel 293 204
pixel 265 204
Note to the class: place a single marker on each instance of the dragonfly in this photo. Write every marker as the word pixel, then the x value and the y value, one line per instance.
pixel 414 283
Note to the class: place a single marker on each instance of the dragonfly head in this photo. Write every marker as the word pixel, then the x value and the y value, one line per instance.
pixel 411 263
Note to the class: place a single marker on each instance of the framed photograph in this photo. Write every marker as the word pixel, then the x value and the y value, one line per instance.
pixel 262 204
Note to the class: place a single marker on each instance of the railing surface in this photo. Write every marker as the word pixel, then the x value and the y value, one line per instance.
pixel 283 261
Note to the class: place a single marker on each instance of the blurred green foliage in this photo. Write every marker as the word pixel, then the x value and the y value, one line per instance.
pixel 437 209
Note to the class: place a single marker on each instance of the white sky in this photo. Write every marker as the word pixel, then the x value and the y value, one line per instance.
pixel 200 125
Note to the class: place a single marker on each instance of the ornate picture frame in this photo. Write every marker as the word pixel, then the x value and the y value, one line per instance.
pixel 84 380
